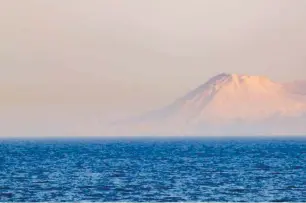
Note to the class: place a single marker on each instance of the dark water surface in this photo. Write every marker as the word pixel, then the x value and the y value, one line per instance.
pixel 154 170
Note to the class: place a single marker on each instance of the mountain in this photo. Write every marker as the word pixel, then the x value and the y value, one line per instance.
pixel 230 104
pixel 297 87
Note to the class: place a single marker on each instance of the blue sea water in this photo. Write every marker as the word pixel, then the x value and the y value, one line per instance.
pixel 155 170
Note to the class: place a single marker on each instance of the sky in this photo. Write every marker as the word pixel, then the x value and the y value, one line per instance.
pixel 114 58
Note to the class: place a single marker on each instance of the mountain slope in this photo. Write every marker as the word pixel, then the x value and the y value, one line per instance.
pixel 230 103
pixel 297 87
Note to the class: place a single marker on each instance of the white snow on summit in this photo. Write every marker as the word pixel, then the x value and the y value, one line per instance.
pixel 231 102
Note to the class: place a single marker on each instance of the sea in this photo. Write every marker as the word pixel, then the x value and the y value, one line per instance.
pixel 269 169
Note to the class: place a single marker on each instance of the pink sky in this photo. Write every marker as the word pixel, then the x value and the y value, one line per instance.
pixel 126 57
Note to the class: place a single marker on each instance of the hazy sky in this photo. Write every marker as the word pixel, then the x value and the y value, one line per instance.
pixel 137 55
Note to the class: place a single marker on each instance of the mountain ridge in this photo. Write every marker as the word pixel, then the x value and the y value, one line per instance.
pixel 229 103
pixel 297 87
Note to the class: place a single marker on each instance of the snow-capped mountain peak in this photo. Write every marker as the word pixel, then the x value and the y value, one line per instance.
pixel 230 100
